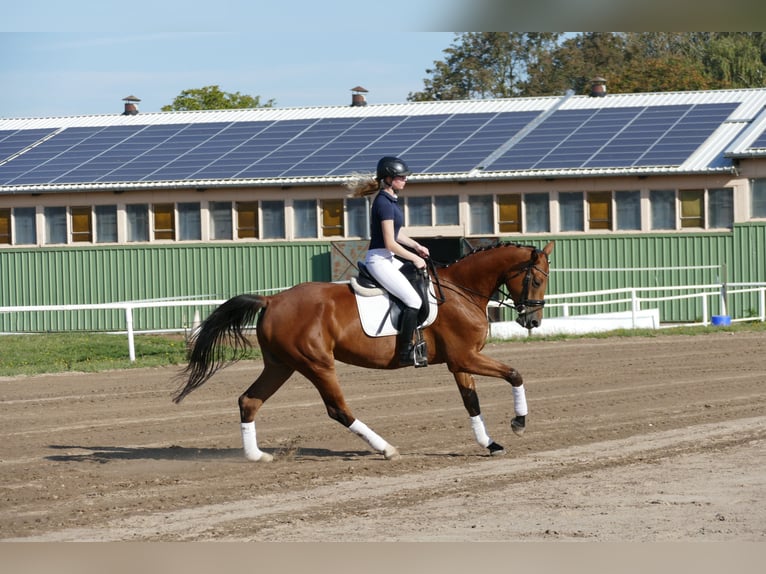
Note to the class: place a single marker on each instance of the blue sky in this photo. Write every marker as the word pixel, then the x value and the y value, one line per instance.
pixel 83 56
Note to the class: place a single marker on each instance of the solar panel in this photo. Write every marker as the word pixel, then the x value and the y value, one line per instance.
pixel 760 141
pixel 13 141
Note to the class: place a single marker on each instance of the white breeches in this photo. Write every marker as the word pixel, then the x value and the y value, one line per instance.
pixel 382 265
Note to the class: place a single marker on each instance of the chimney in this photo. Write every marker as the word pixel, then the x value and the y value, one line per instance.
pixel 597 87
pixel 357 96
pixel 131 105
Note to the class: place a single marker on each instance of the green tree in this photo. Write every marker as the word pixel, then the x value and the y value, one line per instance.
pixel 212 98
pixel 509 64
pixel 485 65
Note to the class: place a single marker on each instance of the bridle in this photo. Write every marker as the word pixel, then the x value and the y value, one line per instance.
pixel 521 306
pixel 525 305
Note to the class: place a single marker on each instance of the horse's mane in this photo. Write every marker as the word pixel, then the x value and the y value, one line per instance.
pixel 487 248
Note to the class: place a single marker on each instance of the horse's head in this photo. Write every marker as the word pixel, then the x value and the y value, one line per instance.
pixel 526 285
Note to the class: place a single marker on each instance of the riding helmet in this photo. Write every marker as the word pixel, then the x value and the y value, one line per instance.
pixel 390 167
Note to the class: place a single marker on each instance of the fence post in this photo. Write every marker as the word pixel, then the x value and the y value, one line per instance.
pixel 129 328
pixel 634 306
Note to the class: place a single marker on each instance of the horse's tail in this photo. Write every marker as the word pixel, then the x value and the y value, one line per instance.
pixel 219 341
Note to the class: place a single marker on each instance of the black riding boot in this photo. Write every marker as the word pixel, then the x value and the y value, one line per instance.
pixel 404 346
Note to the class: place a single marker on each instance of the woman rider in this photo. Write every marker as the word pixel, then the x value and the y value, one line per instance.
pixel 387 240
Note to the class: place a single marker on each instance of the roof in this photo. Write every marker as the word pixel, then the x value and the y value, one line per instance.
pixel 566 136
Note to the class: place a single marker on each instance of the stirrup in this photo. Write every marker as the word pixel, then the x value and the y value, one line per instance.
pixel 420 354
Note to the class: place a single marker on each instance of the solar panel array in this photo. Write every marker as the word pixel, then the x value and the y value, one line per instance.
pixel 321 147
pixel 615 137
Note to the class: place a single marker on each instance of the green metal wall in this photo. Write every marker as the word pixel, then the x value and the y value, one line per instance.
pixel 740 254
pixel 74 275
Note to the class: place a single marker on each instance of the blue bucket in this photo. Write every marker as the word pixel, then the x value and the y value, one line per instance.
pixel 721 320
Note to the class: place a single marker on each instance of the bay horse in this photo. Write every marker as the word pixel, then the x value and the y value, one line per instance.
pixel 308 327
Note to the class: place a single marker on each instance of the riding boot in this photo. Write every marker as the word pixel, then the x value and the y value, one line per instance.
pixel 404 345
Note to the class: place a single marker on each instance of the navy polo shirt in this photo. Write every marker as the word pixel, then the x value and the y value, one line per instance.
pixel 385 207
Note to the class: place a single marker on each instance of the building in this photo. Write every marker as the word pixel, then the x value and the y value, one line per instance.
pixel 177 204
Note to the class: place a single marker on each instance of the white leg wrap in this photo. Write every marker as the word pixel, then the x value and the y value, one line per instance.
pixel 370 436
pixel 252 452
pixel 520 401
pixel 479 431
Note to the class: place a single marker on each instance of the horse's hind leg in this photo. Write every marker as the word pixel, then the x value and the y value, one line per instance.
pixel 326 383
pixel 467 387
pixel 273 376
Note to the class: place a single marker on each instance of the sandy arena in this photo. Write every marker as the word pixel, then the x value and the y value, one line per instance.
pixel 628 439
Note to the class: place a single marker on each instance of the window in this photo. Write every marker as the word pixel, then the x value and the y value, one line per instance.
pixel 628 210
pixel 358 217
pixel 446 208
pixel 5 226
pixel 481 210
pixel 25 231
pixel 189 222
pixel 600 210
pixel 332 217
pixel 55 225
pixel 720 208
pixel 537 210
pixel 164 221
pixel 247 219
pixel 419 211
pixel 138 222
pixel 663 206
pixel 692 208
pixel 220 220
pixel 273 213
pixel 82 224
pixel 571 211
pixel 305 218
pixel 106 224
pixel 509 213
pixel 758 198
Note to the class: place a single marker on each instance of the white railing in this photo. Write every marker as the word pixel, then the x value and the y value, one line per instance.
pixel 635 302
pixel 566 301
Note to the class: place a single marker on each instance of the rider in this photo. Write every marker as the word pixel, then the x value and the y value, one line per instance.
pixel 387 240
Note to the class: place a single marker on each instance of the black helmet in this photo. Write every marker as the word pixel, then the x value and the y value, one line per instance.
pixel 391 166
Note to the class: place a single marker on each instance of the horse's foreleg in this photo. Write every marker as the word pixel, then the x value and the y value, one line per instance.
pixel 272 377
pixel 486 366
pixel 337 409
pixel 467 387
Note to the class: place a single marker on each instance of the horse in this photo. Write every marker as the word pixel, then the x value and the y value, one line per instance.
pixel 309 326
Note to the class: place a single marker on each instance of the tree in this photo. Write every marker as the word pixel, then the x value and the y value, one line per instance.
pixel 510 64
pixel 212 98
pixel 485 65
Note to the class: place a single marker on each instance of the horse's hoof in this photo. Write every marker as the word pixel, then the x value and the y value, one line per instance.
pixel 259 457
pixel 496 449
pixel 518 425
pixel 391 453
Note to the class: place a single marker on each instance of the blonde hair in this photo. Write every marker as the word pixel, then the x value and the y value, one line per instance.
pixel 361 184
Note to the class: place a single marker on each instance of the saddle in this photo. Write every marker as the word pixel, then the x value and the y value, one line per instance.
pixel 380 311
pixel 417 278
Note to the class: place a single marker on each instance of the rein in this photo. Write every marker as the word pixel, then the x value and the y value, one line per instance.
pixel 520 307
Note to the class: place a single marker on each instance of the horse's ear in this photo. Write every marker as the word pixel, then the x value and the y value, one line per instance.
pixel 548 248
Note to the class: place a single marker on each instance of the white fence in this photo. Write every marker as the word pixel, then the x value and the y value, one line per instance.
pixel 635 300
pixel 638 303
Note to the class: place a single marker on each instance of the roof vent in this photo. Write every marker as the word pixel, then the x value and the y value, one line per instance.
pixel 357 96
pixel 597 87
pixel 131 105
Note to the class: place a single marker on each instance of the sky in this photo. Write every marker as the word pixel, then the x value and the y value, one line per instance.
pixel 62 65
pixel 82 57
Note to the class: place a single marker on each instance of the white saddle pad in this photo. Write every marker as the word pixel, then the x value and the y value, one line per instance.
pixel 379 316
